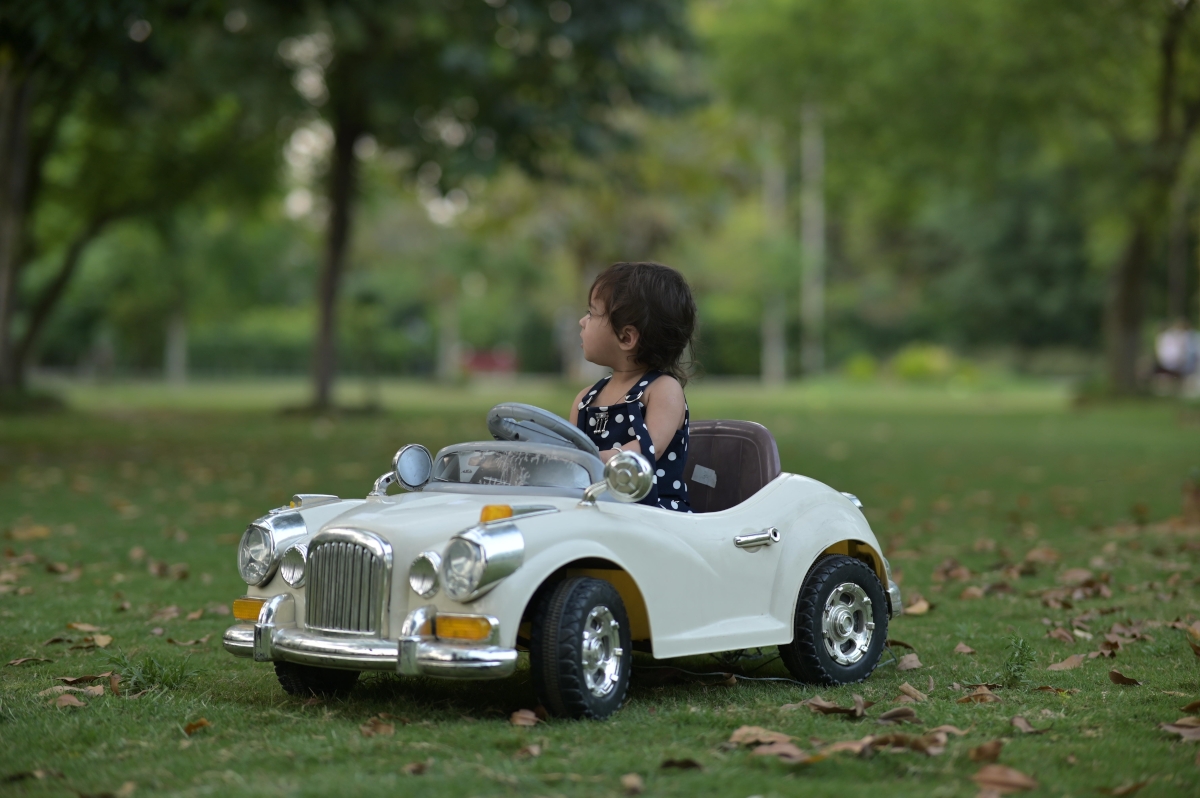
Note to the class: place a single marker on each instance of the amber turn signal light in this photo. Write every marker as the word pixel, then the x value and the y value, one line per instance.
pixel 247 609
pixel 494 512
pixel 463 627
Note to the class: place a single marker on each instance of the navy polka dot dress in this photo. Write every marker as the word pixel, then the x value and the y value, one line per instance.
pixel 617 425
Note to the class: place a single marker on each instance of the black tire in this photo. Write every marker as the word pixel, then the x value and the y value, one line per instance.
pixel 308 680
pixel 808 656
pixel 556 651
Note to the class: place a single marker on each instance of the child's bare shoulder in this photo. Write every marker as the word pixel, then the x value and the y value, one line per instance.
pixel 666 388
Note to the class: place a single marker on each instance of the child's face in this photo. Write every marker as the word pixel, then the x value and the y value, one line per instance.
pixel 600 344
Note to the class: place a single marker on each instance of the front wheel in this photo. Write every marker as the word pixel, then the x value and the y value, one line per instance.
pixel 580 649
pixel 309 680
pixel 841 623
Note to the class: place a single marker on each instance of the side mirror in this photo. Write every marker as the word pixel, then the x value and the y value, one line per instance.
pixel 413 464
pixel 628 477
pixel 411 467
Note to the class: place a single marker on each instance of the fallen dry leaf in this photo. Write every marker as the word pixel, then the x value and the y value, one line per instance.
pixel 853 746
pixel 196 726
pixel 1045 688
pixel 531 751
pixel 195 616
pixel 415 768
pixel 83 679
pixel 1116 677
pixel 23 660
pixel 1042 554
pixel 1128 788
pixel 970 593
pixel 818 704
pixel 1023 725
pixel 524 717
pixel 165 613
pixel 377 727
pixel 68 700
pixel 1074 577
pixel 930 744
pixel 1191 733
pixel 912 692
pixel 963 648
pixel 125 790
pixel 899 715
pixel 1070 663
pixel 198 642
pixel 113 683
pixel 1003 779
pixel 783 751
pixel 681 764
pixel 950 730
pixel 894 642
pixel 1062 635
pixel 1192 707
pixel 632 784
pixel 909 662
pixel 982 695
pixel 83 627
pixel 757 735
pixel 95 691
pixel 919 606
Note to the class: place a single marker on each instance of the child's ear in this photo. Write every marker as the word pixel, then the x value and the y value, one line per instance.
pixel 627 339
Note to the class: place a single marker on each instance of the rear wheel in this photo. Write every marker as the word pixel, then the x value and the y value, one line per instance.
pixel 309 680
pixel 580 649
pixel 841 623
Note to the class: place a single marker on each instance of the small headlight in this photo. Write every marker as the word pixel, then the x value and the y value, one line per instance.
pixel 255 555
pixel 463 569
pixel 423 574
pixel 291 567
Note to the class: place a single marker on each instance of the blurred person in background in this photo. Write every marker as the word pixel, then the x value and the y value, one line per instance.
pixel 1176 353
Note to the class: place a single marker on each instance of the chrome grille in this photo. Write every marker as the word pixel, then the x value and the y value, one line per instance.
pixel 348 577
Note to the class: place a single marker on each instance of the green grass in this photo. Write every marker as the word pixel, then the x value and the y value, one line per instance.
pixel 942 471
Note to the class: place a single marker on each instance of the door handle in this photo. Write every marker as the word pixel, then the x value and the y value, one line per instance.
pixel 753 540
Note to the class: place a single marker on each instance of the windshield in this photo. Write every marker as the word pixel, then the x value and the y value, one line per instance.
pixel 512 468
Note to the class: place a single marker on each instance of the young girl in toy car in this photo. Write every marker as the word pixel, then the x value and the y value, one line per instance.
pixel 639 323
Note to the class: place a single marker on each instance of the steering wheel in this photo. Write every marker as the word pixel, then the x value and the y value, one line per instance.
pixel 512 421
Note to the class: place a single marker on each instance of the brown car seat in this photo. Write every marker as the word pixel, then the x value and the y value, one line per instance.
pixel 728 462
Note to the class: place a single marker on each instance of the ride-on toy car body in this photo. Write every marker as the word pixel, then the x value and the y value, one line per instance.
pixel 530 543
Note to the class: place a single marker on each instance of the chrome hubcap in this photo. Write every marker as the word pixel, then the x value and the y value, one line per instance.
pixel 602 651
pixel 847 624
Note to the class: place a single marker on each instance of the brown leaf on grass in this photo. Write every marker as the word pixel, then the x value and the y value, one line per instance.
pixel 633 784
pixel 198 642
pixel 68 700
pixel 1190 720
pixel 1129 788
pixel 1195 648
pixel 1062 635
pixel 757 735
pixel 168 613
pixel 963 648
pixel 377 727
pixel 39 774
pixel 95 690
pixel 1072 577
pixel 909 662
pixel 83 679
pixel 93 641
pixel 894 642
pixel 57 567
pixel 59 689
pixel 531 751
pixel 899 715
pixel 982 695
pixel 23 660
pixel 196 726
pixel 970 593
pixel 947 729
pixel 415 768
pixel 1192 707
pixel 1070 663
pixel 83 627
pixel 72 575
pixel 125 790
pixel 930 744
pixel 912 692
pixel 1102 653
pixel 1116 677
pixel 1003 779
pixel 1190 733
pixel 919 606
pixel 783 751
pixel 853 746
pixel 1042 554
pixel 195 616
pixel 1023 725
pixel 681 764
pixel 1045 688
pixel 818 704
pixel 157 631
pixel 524 717
pixel 113 683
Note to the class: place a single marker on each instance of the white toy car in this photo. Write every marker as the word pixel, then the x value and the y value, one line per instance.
pixel 530 543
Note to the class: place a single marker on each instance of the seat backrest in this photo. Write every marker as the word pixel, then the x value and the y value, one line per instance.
pixel 728 462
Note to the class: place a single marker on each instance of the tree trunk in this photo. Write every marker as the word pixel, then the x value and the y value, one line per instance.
pixel 342 185
pixel 773 367
pixel 175 353
pixel 1125 309
pixel 1177 252
pixel 16 104
pixel 812 240
pixel 449 346
pixel 44 305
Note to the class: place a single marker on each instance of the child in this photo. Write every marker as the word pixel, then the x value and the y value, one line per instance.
pixel 639 323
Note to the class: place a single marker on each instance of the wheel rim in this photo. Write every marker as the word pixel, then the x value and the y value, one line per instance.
pixel 847 623
pixel 602 651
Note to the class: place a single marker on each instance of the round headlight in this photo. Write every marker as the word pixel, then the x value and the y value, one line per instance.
pixel 423 574
pixel 291 567
pixel 463 569
pixel 255 555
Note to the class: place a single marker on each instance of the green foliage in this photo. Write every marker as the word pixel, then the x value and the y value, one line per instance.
pixel 1021 656
pixel 923 363
pixel 148 673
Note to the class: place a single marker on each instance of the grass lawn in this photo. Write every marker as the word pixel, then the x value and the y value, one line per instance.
pixel 141 479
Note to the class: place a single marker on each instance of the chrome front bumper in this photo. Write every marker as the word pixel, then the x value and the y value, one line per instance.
pixel 894 599
pixel 276 637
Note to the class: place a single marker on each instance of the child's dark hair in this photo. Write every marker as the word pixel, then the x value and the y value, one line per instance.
pixel 657 301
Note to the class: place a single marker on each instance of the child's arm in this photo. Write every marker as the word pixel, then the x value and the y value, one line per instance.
pixel 573 416
pixel 665 406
